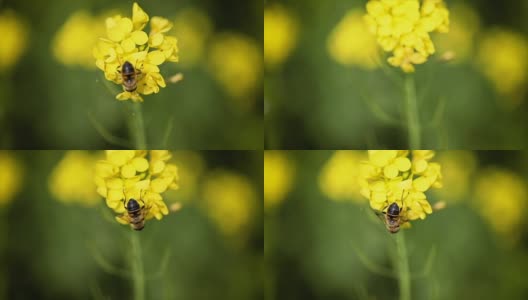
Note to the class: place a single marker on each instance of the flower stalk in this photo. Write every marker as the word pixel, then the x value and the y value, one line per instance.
pixel 411 109
pixel 404 274
pixel 138 274
pixel 137 127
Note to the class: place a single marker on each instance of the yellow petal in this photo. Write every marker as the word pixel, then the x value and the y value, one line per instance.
pixel 391 171
pixel 158 185
pixel 119 157
pixel 128 171
pixel 128 45
pixel 139 17
pixel 156 57
pixel 156 40
pixel 403 164
pixel 123 96
pixel 141 164
pixel 139 37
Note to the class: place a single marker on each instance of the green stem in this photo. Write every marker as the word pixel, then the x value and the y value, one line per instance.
pixel 137 126
pixel 404 274
pixel 3 253
pixel 411 108
pixel 138 274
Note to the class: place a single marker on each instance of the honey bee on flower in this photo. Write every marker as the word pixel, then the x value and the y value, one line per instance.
pixel 130 57
pixel 395 184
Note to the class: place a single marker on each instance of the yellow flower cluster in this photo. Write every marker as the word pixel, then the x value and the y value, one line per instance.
pixel 73 43
pixel 14 33
pixel 230 202
pixel 502 200
pixel 503 57
pixel 136 174
pixel 127 41
pixel 391 176
pixel 72 178
pixel 280 34
pixel 10 177
pixel 279 172
pixel 339 176
pixel 403 27
pixel 351 43
pixel 193 28
pixel 236 63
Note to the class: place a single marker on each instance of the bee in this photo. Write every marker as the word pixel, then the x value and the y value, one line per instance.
pixel 135 214
pixel 129 75
pixel 393 218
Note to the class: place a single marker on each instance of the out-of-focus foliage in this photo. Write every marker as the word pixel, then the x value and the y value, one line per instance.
pixel 51 96
pixel 53 246
pixel 471 91
pixel 324 249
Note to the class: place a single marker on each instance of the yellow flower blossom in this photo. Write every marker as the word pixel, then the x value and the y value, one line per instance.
pixel 72 178
pixel 279 173
pixel 136 174
pixel 280 34
pixel 390 176
pixel 191 166
pixel 14 33
pixel 76 38
pixel 236 62
pixel 403 27
pixel 230 202
pixel 10 177
pixel 463 29
pixel 193 28
pixel 351 43
pixel 126 41
pixel 502 200
pixel 458 168
pixel 339 178
pixel 503 57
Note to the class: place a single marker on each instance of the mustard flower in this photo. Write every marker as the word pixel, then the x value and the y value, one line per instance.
pixel 340 175
pixel 280 34
pixel 501 198
pixel 72 178
pixel 279 172
pixel 403 27
pixel 230 200
pixel 74 41
pixel 193 27
pixel 391 176
pixel 126 41
pixel 458 168
pixel 236 62
pixel 10 177
pixel 503 58
pixel 360 50
pixel 14 33
pixel 136 174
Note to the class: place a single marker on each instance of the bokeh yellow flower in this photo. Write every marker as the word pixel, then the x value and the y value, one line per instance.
pixel 501 198
pixel 136 174
pixel 193 28
pixel 503 58
pixel 236 62
pixel 403 27
pixel 391 176
pixel 126 41
pixel 72 179
pixel 280 34
pixel 14 33
pixel 10 177
pixel 463 29
pixel 458 168
pixel 279 172
pixel 230 200
pixel 191 166
pixel 351 43
pixel 74 41
pixel 339 178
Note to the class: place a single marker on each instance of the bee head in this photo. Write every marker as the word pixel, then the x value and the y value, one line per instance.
pixel 127 67
pixel 132 205
pixel 393 210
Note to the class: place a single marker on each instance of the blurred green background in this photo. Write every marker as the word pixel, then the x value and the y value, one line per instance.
pixel 52 97
pixel 323 241
pixel 322 89
pixel 56 235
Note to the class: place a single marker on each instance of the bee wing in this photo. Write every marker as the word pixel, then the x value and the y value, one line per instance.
pixel 123 219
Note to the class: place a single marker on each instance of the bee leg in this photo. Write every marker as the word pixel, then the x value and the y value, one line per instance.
pixel 123 219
